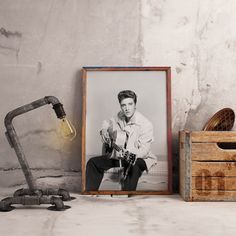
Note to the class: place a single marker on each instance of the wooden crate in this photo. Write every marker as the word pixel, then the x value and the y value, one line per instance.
pixel 208 170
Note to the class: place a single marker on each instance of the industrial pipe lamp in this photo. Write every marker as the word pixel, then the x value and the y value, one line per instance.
pixel 33 195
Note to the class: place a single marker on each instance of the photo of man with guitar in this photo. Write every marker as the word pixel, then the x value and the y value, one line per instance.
pixel 127 139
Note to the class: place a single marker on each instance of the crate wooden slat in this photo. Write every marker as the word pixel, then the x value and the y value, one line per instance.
pixel 213 195
pixel 207 171
pixel 214 183
pixel 213 168
pixel 211 151
pixel 213 136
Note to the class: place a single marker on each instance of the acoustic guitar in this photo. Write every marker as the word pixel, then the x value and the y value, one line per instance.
pixel 118 140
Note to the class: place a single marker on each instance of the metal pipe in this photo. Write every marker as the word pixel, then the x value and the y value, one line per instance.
pixel 15 143
pixel 5 204
pixel 24 191
pixel 51 100
pixel 65 196
pixel 14 140
pixel 32 196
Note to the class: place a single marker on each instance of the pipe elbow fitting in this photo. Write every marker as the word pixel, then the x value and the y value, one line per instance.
pixel 64 194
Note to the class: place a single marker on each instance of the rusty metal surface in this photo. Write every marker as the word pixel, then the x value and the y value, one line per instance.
pixel 14 140
pixel 56 202
pixel 32 196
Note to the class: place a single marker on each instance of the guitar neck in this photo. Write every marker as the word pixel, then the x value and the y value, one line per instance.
pixel 128 156
pixel 116 147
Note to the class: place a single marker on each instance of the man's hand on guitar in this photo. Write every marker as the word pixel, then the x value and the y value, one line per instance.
pixel 129 157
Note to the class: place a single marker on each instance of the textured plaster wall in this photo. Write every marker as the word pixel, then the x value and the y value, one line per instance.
pixel 197 38
pixel 44 44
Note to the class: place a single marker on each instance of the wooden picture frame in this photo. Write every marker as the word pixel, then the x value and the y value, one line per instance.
pixel 152 85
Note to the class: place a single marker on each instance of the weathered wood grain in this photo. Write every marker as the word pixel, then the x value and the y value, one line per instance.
pixel 213 168
pixel 213 136
pixel 181 163
pixel 211 152
pixel 214 183
pixel 185 165
pixel 213 195
pixel 212 174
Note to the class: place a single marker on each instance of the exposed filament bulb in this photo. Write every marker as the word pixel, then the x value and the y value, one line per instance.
pixel 66 129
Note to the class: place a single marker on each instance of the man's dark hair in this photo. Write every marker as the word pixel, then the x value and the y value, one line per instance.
pixel 127 94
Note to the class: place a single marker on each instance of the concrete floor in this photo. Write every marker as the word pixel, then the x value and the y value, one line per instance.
pixel 138 215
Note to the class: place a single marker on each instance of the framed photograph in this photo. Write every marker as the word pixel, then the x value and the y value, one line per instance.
pixel 126 130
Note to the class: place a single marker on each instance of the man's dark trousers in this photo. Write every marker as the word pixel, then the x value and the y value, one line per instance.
pixel 97 165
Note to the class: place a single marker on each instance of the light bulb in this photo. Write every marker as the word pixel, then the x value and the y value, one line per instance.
pixel 66 129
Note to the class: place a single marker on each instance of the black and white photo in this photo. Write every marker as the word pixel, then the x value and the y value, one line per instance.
pixel 126 130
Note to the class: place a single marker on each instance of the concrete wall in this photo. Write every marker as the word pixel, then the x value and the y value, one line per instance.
pixel 44 44
pixel 197 38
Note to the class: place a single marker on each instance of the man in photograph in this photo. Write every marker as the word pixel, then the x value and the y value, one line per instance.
pixel 127 139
